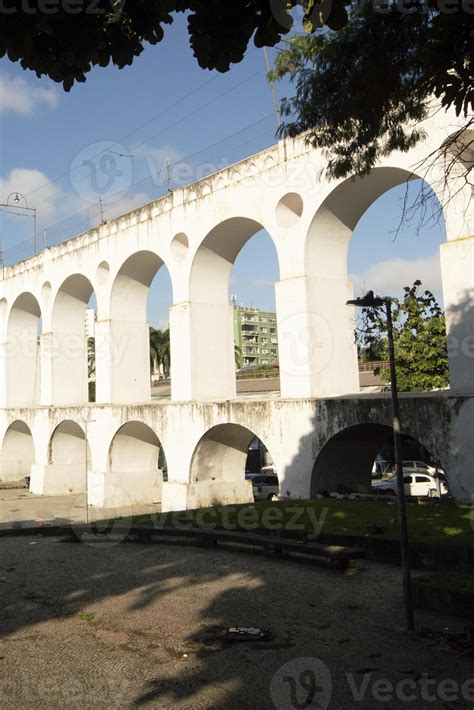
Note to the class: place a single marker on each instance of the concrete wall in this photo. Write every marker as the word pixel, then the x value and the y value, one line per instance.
pixel 196 233
pixel 205 445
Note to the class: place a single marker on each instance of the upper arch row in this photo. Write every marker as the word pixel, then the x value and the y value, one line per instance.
pixel 310 230
pixel 134 263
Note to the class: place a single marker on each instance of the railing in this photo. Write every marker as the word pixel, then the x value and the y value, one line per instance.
pixel 373 365
pixel 259 374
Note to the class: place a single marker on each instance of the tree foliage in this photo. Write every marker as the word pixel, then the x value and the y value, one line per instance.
pixel 64 40
pixel 160 349
pixel 238 356
pixel 363 71
pixel 421 348
pixel 362 92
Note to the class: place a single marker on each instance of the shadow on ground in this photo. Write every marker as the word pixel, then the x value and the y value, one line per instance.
pixel 145 626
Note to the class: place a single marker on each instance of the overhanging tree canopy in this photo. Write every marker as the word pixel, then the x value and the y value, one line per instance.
pixel 363 91
pixel 64 39
pixel 362 72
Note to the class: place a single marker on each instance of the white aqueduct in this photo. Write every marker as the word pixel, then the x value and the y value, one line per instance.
pixel 318 431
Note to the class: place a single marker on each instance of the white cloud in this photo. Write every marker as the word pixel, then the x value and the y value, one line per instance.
pixel 389 277
pixel 37 188
pixel 17 95
pixel 157 160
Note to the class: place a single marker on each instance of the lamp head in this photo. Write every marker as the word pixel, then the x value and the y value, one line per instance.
pixel 367 301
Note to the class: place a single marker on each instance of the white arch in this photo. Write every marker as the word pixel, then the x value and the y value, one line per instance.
pixel 67 459
pixel 217 472
pixel 68 351
pixel 210 360
pixel 18 452
pixel 129 294
pixel 334 364
pixel 67 444
pixel 129 339
pixel 133 474
pixel 216 255
pixel 330 231
pixel 22 354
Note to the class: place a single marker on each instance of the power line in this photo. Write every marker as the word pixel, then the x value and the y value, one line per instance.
pixel 85 211
pixel 160 114
pixel 195 111
pixel 164 130
pixel 153 118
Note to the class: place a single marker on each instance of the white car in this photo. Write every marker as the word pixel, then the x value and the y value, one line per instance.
pixel 416 484
pixel 265 485
pixel 420 467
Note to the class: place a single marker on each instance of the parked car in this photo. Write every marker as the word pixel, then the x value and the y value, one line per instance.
pixel 265 485
pixel 416 484
pixel 421 467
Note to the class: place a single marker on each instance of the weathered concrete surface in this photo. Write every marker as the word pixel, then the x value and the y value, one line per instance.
pixel 139 626
pixel 197 233
pixel 19 507
pixel 206 443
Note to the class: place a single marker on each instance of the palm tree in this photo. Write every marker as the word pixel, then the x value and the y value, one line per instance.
pixel 91 368
pixel 238 356
pixel 160 349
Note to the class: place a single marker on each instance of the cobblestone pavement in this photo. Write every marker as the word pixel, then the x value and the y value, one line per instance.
pixel 128 625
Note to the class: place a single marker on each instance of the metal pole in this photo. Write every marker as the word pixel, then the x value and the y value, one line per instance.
pixel 102 221
pixel 34 230
pixel 87 466
pixel 404 549
pixel 272 87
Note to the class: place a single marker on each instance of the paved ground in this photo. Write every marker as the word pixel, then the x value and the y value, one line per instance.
pixel 20 507
pixel 125 626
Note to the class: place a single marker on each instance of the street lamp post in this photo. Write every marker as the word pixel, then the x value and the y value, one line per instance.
pixel 86 421
pixel 371 301
pixel 13 200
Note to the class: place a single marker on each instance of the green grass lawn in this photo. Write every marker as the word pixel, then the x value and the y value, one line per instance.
pixel 435 522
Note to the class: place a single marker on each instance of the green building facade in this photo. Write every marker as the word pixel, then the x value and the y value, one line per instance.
pixel 255 336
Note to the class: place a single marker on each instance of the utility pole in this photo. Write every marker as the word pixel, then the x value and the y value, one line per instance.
pixel 102 220
pixel 371 301
pixel 86 421
pixel 16 198
pixel 168 177
pixel 402 508
pixel 272 87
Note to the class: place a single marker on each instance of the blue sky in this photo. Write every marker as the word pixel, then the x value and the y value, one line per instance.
pixel 191 115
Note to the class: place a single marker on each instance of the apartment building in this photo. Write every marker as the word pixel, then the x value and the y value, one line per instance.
pixel 255 335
